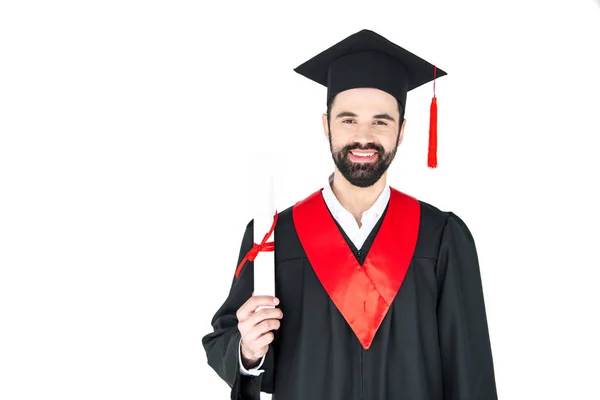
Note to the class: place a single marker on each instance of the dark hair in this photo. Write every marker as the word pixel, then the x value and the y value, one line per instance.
pixel 330 104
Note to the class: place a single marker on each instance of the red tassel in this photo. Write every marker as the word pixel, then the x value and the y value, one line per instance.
pixel 432 156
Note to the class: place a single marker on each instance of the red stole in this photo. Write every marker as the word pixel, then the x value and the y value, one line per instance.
pixel 362 294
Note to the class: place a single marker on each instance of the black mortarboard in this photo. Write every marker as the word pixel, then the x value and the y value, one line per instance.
pixel 367 59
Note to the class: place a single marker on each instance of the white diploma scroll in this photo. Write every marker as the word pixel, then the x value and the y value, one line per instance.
pixel 264 210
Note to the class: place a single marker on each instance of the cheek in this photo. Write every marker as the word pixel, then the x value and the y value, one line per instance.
pixel 337 145
pixel 338 139
pixel 389 143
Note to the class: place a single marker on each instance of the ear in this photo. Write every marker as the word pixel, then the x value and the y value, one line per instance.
pixel 401 132
pixel 324 118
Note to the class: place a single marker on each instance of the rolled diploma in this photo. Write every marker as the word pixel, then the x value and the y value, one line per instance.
pixel 264 209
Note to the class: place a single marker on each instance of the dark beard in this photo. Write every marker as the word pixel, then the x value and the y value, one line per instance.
pixel 362 174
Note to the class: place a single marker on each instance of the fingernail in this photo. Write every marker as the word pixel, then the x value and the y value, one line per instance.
pixel 275 300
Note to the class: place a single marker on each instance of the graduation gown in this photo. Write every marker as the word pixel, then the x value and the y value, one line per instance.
pixel 401 318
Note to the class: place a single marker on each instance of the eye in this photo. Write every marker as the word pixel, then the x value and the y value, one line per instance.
pixel 343 121
pixel 384 123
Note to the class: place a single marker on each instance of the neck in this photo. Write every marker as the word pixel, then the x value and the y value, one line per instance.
pixel 356 199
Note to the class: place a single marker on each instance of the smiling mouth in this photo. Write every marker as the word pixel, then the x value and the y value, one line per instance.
pixel 362 156
pixel 363 153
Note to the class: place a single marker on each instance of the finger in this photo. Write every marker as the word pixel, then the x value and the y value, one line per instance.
pixel 251 322
pixel 248 308
pixel 252 304
pixel 262 328
pixel 267 313
pixel 264 340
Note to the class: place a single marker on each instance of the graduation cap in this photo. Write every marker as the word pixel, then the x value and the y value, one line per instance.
pixel 367 59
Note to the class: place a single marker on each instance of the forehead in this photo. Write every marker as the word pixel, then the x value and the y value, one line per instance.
pixel 367 98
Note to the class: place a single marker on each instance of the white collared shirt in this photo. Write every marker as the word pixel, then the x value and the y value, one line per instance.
pixel 357 234
pixel 368 220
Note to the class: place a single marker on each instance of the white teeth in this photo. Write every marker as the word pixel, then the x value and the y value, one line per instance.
pixel 363 154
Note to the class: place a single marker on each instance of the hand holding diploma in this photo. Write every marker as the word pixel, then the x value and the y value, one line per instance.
pixel 255 327
pixel 258 316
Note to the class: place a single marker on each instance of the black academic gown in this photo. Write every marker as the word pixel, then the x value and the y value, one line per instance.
pixel 433 343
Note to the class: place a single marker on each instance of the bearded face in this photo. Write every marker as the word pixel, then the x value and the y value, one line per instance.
pixel 364 129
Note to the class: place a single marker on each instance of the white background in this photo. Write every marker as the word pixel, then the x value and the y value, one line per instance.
pixel 127 130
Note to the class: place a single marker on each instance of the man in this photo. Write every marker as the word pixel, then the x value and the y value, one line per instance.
pixel 379 295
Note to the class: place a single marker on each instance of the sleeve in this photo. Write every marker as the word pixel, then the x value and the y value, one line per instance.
pixel 222 346
pixel 256 371
pixel 467 364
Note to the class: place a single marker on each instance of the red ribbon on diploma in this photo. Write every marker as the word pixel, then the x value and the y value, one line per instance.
pixel 263 246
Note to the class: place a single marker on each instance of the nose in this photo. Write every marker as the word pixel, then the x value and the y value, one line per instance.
pixel 364 134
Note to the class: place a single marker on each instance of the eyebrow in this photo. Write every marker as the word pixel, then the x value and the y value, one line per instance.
pixel 378 116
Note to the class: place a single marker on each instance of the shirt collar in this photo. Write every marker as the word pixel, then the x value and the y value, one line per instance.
pixel 337 209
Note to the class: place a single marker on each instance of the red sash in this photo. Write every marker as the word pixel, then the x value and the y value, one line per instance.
pixel 362 294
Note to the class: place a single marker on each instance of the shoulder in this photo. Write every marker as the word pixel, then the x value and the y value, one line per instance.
pixel 434 216
pixel 435 225
pixel 285 220
pixel 431 214
pixel 286 238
